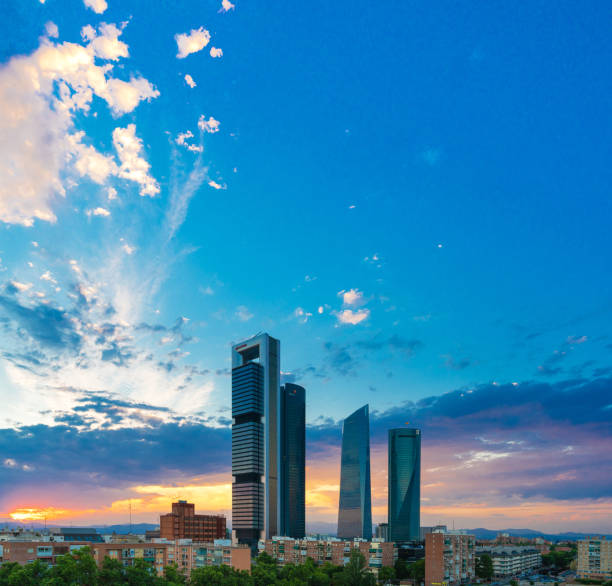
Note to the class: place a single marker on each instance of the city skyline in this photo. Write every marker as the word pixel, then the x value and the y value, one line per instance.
pixel 413 198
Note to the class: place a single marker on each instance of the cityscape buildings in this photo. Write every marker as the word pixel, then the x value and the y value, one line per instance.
pixel 293 460
pixel 183 523
pixel 404 490
pixel 595 558
pixel 355 507
pixel 449 558
pixel 286 550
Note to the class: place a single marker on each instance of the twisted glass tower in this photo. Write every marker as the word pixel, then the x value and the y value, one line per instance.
pixel 355 510
pixel 404 484
pixel 293 460
pixel 256 446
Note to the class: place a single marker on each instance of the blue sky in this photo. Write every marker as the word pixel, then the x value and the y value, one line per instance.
pixel 414 198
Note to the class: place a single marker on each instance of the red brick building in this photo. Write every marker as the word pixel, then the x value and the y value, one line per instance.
pixel 449 559
pixel 183 523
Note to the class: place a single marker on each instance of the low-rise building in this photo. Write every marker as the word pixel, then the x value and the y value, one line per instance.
pixel 189 555
pixel 286 550
pixel 449 559
pixel 594 558
pixel 185 554
pixel 25 552
pixel 511 560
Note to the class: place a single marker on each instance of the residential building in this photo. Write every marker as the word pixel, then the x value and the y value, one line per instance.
pixel 355 507
pixel 188 555
pixel 256 447
pixel 127 554
pixel 404 477
pixel 25 552
pixel 183 523
pixel 336 551
pixel 449 559
pixel 511 560
pixel 382 531
pixel 293 460
pixel 594 558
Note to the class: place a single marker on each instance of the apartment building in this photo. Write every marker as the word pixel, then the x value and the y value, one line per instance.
pixel 594 558
pixel 336 551
pixel 449 559
pixel 512 560
pixel 188 555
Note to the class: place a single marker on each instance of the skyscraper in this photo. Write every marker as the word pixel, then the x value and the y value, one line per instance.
pixel 404 484
pixel 256 446
pixel 355 510
pixel 293 460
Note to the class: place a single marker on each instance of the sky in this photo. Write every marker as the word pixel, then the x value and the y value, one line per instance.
pixel 414 197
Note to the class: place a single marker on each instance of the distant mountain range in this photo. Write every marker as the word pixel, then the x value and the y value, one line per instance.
pixel 482 533
pixel 330 529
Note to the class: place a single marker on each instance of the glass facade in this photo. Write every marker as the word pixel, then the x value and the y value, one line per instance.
pixel 293 460
pixel 404 484
pixel 255 439
pixel 355 510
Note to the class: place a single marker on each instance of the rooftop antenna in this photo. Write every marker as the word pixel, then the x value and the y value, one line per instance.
pixel 130 515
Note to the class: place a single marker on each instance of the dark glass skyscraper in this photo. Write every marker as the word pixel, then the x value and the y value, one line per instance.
pixel 404 484
pixel 256 446
pixel 355 510
pixel 293 460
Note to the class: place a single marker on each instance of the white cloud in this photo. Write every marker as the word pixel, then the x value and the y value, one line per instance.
pixel 106 43
pixel 112 193
pixel 133 166
pixel 348 316
pixel 215 185
pixel 47 276
pixel 321 309
pixel 211 125
pixel 242 313
pixel 21 286
pixel 52 30
pixel 128 249
pixel 189 81
pixel 352 297
pixel 226 6
pixel 192 42
pixel 181 139
pixel 40 95
pixel 216 52
pixel 98 6
pixel 103 212
pixel 89 162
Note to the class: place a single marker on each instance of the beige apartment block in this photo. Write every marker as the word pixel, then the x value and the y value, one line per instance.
pixel 594 558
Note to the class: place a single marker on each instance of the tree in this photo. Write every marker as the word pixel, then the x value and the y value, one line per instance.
pixel 484 566
pixel 264 571
pixel 401 569
pixel 173 575
pixel 513 582
pixel 386 574
pixel 112 572
pixel 355 572
pixel 416 571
